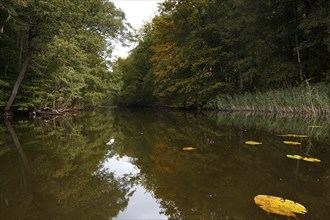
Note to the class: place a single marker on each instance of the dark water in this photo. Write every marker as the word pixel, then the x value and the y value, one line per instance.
pixel 130 165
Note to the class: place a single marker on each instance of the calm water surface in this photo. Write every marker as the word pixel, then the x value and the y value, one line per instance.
pixel 123 164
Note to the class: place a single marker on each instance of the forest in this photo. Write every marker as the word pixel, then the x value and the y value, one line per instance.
pixel 61 48
pixel 192 54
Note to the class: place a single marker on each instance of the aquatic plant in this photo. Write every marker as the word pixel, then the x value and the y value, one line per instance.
pixel 305 99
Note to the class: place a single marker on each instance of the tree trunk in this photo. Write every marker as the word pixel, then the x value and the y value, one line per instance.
pixel 18 146
pixel 298 58
pixel 20 77
pixel 296 17
pixel 240 76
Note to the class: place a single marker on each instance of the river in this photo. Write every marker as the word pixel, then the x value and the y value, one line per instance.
pixel 130 164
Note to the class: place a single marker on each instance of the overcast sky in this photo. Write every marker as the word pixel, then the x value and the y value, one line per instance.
pixel 137 13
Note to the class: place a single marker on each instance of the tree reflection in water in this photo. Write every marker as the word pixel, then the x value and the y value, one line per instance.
pixel 217 181
pixel 220 179
pixel 64 156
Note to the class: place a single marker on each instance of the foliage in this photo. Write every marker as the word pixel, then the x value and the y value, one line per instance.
pixel 303 99
pixel 132 77
pixel 70 42
pixel 195 51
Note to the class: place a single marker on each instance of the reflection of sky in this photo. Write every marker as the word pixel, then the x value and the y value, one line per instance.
pixel 141 205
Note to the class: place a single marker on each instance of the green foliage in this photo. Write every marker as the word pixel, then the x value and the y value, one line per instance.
pixel 302 99
pixel 132 78
pixel 70 41
pixel 195 50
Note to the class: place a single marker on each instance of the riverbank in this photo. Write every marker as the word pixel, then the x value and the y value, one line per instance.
pixel 45 112
pixel 302 100
pixel 305 99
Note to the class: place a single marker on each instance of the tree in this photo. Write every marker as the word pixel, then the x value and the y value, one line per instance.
pixel 133 76
pixel 46 30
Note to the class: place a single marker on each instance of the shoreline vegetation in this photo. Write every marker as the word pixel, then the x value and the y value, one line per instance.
pixel 259 56
pixel 305 99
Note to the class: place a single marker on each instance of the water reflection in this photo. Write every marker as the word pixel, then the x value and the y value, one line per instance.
pixel 67 182
pixel 120 164
pixel 142 204
pixel 220 179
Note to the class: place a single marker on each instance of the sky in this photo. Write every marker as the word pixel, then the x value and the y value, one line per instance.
pixel 142 204
pixel 137 13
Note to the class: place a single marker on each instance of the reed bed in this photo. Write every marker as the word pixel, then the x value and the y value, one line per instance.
pixel 305 99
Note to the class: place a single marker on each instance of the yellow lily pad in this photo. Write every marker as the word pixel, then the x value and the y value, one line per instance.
pixel 292 142
pixel 310 159
pixel 293 135
pixel 278 205
pixel 278 211
pixel 297 157
pixel 252 142
pixel 188 148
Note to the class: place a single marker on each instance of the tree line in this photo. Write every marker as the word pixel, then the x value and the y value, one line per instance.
pixel 61 48
pixel 195 50
pixel 190 53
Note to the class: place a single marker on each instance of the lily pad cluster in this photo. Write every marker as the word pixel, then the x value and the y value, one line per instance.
pixel 278 205
pixel 298 157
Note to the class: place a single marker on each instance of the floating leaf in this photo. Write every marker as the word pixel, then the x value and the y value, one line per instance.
pixel 277 211
pixel 188 148
pixel 297 157
pixel 292 142
pixel 252 142
pixel 310 159
pixel 293 135
pixel 278 205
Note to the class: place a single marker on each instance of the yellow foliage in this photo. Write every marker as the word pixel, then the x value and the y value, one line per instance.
pixel 188 148
pixel 252 142
pixel 292 142
pixel 278 205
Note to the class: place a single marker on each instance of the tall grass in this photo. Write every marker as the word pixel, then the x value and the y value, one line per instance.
pixel 305 99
